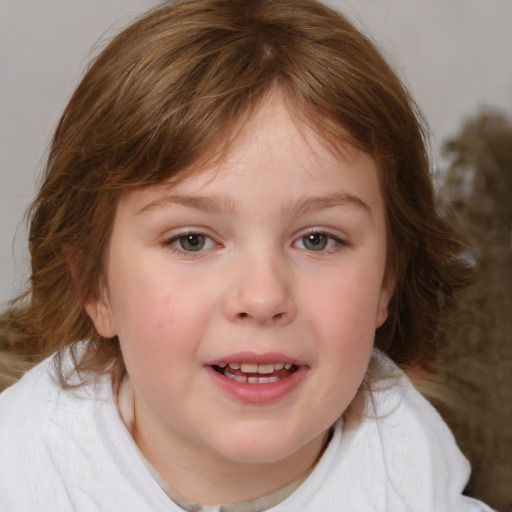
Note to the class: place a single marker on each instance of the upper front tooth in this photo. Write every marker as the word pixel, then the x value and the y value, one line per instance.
pixel 266 368
pixel 249 368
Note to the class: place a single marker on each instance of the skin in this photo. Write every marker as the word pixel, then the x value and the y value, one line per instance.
pixel 255 286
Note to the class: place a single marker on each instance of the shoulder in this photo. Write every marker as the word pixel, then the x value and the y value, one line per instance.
pixel 26 411
pixel 41 424
pixel 420 451
pixel 67 449
pixel 411 446
pixel 29 395
pixel 35 402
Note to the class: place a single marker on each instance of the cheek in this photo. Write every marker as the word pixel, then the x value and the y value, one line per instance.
pixel 161 311
pixel 346 307
pixel 155 339
pixel 343 326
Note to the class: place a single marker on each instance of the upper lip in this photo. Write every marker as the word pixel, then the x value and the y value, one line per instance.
pixel 252 357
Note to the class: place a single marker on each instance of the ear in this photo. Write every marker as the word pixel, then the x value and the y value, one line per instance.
pixel 100 313
pixel 98 308
pixel 386 293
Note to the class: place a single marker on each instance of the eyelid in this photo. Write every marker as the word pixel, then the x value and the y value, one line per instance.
pixel 341 240
pixel 169 241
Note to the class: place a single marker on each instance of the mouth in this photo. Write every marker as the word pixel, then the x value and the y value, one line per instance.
pixel 253 378
pixel 255 373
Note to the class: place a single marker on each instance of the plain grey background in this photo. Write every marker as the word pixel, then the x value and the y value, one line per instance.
pixel 455 55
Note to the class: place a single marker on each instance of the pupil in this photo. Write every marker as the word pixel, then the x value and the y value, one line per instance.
pixel 315 241
pixel 192 242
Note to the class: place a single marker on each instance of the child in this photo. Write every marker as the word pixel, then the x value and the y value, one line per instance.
pixel 234 246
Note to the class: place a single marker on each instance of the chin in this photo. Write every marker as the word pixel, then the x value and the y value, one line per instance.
pixel 260 446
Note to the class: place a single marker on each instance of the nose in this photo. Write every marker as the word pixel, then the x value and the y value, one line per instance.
pixel 260 292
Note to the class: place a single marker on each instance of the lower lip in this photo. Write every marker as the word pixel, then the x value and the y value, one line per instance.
pixel 258 393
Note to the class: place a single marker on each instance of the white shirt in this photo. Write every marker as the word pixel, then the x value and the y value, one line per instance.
pixel 63 451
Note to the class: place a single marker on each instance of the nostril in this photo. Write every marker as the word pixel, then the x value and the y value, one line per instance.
pixel 278 316
pixel 243 315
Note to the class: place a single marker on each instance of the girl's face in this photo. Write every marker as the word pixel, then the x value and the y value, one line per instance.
pixel 246 297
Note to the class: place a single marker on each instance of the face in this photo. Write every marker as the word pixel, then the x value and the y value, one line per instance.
pixel 246 297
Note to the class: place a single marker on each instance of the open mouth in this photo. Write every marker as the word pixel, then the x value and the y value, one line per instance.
pixel 252 373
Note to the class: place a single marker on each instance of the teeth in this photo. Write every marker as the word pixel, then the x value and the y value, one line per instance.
pixel 237 378
pixel 264 369
pixel 249 368
pixel 267 380
pixel 251 380
pixel 253 371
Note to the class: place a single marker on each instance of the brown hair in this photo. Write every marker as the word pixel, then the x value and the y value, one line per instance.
pixel 179 79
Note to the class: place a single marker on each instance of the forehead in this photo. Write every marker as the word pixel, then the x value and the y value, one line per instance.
pixel 276 155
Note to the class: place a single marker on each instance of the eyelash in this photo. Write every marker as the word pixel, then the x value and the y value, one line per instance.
pixel 169 243
pixel 340 243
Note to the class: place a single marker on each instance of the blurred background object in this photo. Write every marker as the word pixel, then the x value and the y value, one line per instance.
pixel 476 359
pixel 12 366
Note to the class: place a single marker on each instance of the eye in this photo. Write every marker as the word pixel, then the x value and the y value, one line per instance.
pixel 318 241
pixel 315 241
pixel 190 242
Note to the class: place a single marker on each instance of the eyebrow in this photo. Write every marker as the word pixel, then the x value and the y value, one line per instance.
pixel 315 203
pixel 205 204
pixel 226 205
